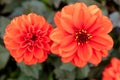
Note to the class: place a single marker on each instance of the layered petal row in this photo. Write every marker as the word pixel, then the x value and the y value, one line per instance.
pixel 27 38
pixel 81 35
pixel 112 70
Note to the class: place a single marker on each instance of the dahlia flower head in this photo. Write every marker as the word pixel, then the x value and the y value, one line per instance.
pixel 81 35
pixel 112 70
pixel 27 38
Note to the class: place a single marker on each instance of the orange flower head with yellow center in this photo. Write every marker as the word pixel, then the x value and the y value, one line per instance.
pixel 112 70
pixel 27 38
pixel 81 35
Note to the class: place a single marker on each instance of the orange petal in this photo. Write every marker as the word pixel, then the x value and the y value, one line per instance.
pixel 9 43
pixel 67 10
pixel 43 58
pixel 66 18
pixel 81 15
pixel 91 22
pixel 97 23
pixel 96 46
pixel 72 46
pixel 57 35
pixel 20 38
pixel 78 15
pixel 10 32
pixel 110 72
pixel 54 48
pixel 46 39
pixel 40 44
pixel 93 9
pixel 78 62
pixel 46 29
pixel 39 53
pixel 46 46
pixel 107 78
pixel 107 24
pixel 67 53
pixel 106 73
pixel 17 53
pixel 96 57
pixel 14 45
pixel 115 62
pixel 67 25
pixel 67 59
pixel 101 42
pixel 84 52
pixel 19 59
pixel 23 44
pixel 13 53
pixel 68 50
pixel 15 28
pixel 35 19
pixel 30 48
pixel 86 14
pixel 57 20
pixel 66 41
pixel 104 27
pixel 21 25
pixel 104 53
pixel 27 56
pixel 24 18
pixel 21 51
pixel 31 62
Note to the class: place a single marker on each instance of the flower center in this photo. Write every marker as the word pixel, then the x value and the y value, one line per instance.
pixel 31 37
pixel 34 37
pixel 82 37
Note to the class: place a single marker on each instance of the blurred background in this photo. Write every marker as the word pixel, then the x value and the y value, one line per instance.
pixel 53 68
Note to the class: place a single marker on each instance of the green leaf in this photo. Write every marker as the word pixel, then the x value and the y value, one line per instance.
pixel 114 53
pixel 83 72
pixel 34 6
pixel 17 12
pixel 3 23
pixel 24 77
pixel 49 16
pixel 56 3
pixel 2 77
pixel 8 8
pixel 64 75
pixel 71 1
pixel 88 2
pixel 67 67
pixel 104 10
pixel 4 57
pixel 5 1
pixel 50 76
pixel 32 70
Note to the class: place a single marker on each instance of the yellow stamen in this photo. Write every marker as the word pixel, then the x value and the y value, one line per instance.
pixel 79 32
pixel 78 43
pixel 84 31
pixel 88 34
pixel 76 37
pixel 76 33
pixel 89 37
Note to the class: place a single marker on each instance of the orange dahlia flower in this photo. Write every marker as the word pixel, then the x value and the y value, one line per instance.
pixel 81 35
pixel 27 38
pixel 112 71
